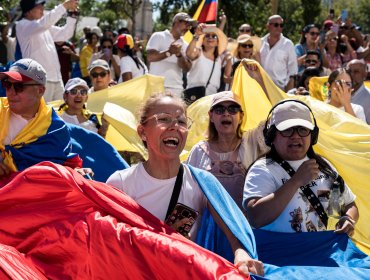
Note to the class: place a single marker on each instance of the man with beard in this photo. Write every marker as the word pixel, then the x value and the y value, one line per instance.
pixel 166 53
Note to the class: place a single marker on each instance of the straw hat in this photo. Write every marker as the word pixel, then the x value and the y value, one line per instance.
pixel 245 38
pixel 222 39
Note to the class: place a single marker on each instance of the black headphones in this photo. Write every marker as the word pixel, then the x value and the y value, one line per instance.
pixel 269 133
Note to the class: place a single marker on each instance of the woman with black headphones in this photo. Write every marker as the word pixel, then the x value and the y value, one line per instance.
pixel 292 189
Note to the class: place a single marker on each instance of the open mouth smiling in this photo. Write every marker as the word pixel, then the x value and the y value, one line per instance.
pixel 171 141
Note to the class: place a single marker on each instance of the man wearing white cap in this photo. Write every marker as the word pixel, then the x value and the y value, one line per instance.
pixel 36 35
pixel 30 131
pixel 293 189
pixel 166 53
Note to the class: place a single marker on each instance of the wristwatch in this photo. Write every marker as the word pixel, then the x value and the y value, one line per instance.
pixel 167 53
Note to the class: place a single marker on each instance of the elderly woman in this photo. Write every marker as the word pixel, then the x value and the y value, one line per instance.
pixel 73 110
pixel 163 129
pixel 340 92
pixel 206 53
pixel 228 152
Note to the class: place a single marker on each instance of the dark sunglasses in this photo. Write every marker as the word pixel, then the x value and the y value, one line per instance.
pixel 310 61
pixel 210 36
pixel 232 109
pixel 106 47
pixel 75 91
pixel 101 74
pixel 244 30
pixel 18 87
pixel 302 131
pixel 246 46
pixel 314 33
pixel 275 24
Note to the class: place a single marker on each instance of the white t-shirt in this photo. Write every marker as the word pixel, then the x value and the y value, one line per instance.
pixel 267 176
pixel 16 124
pixel 362 97
pixel 280 61
pixel 358 110
pixel 89 125
pixel 127 64
pixel 161 41
pixel 155 194
pixel 36 39
pixel 201 71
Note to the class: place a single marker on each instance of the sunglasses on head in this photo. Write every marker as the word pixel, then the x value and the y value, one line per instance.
pixel 75 91
pixel 232 109
pixel 210 36
pixel 18 87
pixel 275 24
pixel 101 74
pixel 244 30
pixel 314 33
pixel 246 46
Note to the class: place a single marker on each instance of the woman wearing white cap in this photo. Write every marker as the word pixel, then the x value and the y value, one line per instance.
pixel 228 151
pixel 73 110
pixel 205 51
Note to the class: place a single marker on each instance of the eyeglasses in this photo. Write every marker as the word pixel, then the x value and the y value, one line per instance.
pixel 311 61
pixel 232 109
pixel 275 24
pixel 101 74
pixel 18 87
pixel 302 131
pixel 106 47
pixel 246 46
pixel 75 91
pixel 168 120
pixel 314 33
pixel 341 82
pixel 210 36
pixel 244 30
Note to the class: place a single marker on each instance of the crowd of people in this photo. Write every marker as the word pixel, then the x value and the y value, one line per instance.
pixel 275 179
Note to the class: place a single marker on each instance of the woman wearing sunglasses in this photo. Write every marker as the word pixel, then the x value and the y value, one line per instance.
pixel 163 128
pixel 340 92
pixel 228 152
pixel 73 110
pixel 310 40
pixel 206 51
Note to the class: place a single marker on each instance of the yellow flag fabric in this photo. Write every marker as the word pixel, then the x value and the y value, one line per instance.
pixel 37 127
pixel 318 87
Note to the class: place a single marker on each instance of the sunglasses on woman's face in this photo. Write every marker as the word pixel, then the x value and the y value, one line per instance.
pixel 106 47
pixel 210 36
pixel 101 74
pixel 220 110
pixel 75 91
pixel 246 46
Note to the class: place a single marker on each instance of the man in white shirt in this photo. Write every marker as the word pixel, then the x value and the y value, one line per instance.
pixel 36 35
pixel 278 54
pixel 30 130
pixel 166 53
pixel 360 94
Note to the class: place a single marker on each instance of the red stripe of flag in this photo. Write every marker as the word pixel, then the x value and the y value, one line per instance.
pixel 209 11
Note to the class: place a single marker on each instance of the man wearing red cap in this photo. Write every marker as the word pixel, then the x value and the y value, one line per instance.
pixel 36 35
pixel 30 131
